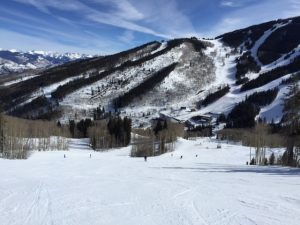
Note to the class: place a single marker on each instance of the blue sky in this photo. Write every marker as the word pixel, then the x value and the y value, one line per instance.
pixel 108 26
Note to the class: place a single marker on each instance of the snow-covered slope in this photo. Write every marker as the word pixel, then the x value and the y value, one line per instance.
pixel 110 188
pixel 13 61
pixel 201 67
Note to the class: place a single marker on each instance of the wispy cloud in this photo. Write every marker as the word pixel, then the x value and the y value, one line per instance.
pixel 251 14
pixel 113 25
pixel 236 3
pixel 127 36
pixel 228 3
pixel 167 18
pixel 33 37
pixel 143 16
pixel 11 39
pixel 44 5
pixel 293 10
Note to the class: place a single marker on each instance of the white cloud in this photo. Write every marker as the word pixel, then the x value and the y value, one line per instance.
pixel 235 3
pixel 142 16
pixel 161 18
pixel 260 12
pixel 127 36
pixel 123 9
pixel 15 40
pixel 293 10
pixel 166 17
pixel 44 5
pixel 227 3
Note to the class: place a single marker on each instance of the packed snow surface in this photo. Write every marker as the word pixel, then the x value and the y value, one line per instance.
pixel 110 188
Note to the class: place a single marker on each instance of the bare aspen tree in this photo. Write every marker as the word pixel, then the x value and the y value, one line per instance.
pixel 2 138
pixel 292 119
pixel 20 136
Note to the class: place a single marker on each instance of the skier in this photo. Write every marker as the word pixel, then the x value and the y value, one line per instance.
pixel 181 157
pixel 90 155
pixel 64 155
pixel 145 158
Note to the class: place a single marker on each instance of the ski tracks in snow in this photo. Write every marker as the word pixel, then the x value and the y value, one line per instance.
pixel 34 208
pixel 216 188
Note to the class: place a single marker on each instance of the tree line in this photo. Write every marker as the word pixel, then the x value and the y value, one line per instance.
pixel 246 63
pixel 17 93
pixel 282 41
pixel 39 108
pixel 110 133
pixel 244 113
pixel 212 97
pixel 263 98
pixel 71 86
pixel 142 88
pixel 262 135
pixel 156 140
pixel 272 75
pixel 18 137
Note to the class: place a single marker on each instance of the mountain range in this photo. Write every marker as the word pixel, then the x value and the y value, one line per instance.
pixel 179 79
pixel 14 61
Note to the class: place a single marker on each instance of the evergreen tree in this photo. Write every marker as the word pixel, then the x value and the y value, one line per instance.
pixel 165 127
pixel 119 130
pixel 272 159
pixel 158 127
pixel 242 115
pixel 291 120
pixel 127 128
pixel 72 127
pixel 83 126
pixel 222 118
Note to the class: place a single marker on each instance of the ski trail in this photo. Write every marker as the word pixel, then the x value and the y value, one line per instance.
pixel 110 188
pixel 79 144
pixel 263 38
pixel 40 212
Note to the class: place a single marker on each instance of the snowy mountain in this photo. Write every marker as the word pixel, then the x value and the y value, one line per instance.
pixel 178 79
pixel 13 61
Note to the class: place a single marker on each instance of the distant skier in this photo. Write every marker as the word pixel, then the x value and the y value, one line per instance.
pixel 181 157
pixel 145 158
pixel 90 155
pixel 64 155
pixel 196 155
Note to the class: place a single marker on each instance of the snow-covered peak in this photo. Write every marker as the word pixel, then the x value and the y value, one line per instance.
pixel 12 61
pixel 13 50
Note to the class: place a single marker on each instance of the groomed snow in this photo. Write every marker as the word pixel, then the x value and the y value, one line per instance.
pixel 215 188
pixel 264 37
pixel 26 77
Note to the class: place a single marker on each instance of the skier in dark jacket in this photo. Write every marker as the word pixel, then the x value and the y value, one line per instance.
pixel 145 158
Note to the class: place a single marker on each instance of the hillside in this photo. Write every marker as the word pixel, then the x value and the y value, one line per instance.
pixel 178 79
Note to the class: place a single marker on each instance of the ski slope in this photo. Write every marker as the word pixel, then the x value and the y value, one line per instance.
pixel 110 188
pixel 263 38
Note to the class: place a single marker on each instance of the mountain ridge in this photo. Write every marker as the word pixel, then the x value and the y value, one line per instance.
pixel 15 61
pixel 237 60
